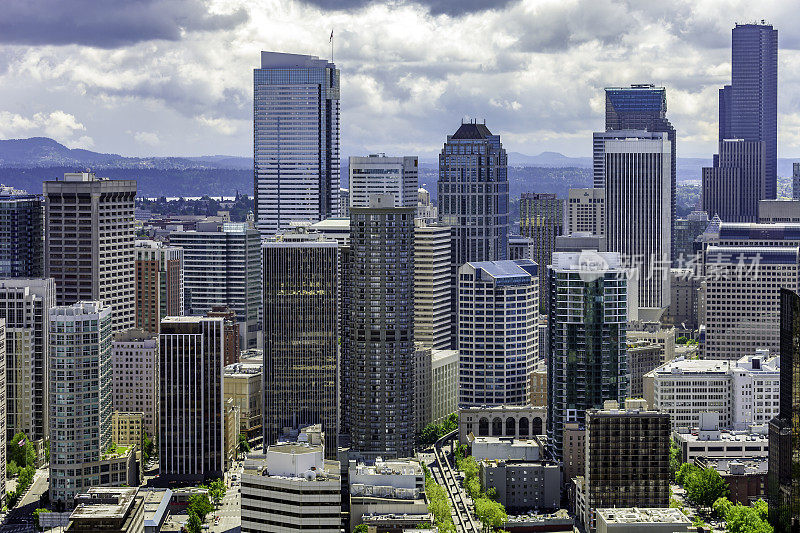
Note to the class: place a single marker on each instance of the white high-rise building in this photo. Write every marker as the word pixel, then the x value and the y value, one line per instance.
pixel 745 393
pixel 637 173
pixel 378 174
pixel 498 331
pixel 296 140
pixel 3 452
pixel 25 305
pixel 586 211
pixel 89 240
pixel 742 297
pixel 80 398
pixel 432 275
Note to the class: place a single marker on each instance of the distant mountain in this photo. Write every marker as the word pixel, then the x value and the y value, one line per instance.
pixel 548 160
pixel 38 152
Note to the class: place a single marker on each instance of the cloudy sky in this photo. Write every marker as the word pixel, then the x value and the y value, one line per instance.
pixel 144 77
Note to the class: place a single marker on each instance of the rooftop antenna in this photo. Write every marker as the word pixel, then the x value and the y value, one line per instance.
pixel 331 40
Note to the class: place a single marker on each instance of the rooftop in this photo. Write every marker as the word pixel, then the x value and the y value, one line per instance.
pixel 637 515
pixel 472 130
pixel 521 269
pixel 112 503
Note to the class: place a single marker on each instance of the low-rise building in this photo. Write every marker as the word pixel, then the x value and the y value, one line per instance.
pixel 574 451
pixel 501 421
pixel 292 486
pixel 156 508
pixel 444 384
pixel 743 392
pixel 638 519
pixel 398 523
pixel 243 386
pixel 747 479
pixel 386 487
pixel 126 428
pixel 558 522
pixel 505 448
pixel 109 510
pixel 707 441
pixel 523 486
pixel 539 388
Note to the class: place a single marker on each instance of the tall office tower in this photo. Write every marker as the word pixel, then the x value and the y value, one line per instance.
pixel 636 168
pixel 748 107
pixel 295 140
pixel 588 316
pixel 222 266
pixel 796 181
pixel 473 199
pixel 432 284
pixel 784 430
pixel 21 234
pixel 742 297
pixel 301 338
pixel 191 443
pixel 378 174
pixel 586 211
pixel 498 332
pixel 134 371
pixel 541 219
pixel 642 107
pixel 627 457
pixel 89 240
pixel 159 284
pixel 344 203
pixel 686 230
pixel 425 209
pixel 80 397
pixel 230 328
pixel 736 182
pixel 25 305
pixel 378 341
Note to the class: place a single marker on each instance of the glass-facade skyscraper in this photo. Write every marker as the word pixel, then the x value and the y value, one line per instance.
pixel 295 140
pixel 21 234
pixel 748 107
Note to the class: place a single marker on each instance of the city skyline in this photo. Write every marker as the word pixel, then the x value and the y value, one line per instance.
pixel 136 91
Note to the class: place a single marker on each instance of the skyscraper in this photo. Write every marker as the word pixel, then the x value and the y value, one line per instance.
pixel 301 338
pixel 222 266
pixel 134 370
pixel 432 284
pixel 641 107
pixel 473 199
pixel 159 284
pixel 588 315
pixel 3 452
pixel 378 174
pixel 541 219
pixel 295 140
pixel 586 211
pixel 25 305
pixel 748 107
pixel 498 331
pixel 80 398
pixel 636 169
pixel 473 194
pixel 378 342
pixel 796 181
pixel 736 182
pixel 89 241
pixel 21 234
pixel 784 431
pixel 191 437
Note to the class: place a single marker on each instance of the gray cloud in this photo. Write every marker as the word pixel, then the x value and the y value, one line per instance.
pixel 107 24
pixel 454 8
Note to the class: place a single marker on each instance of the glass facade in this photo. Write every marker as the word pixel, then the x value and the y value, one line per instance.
pixel 295 140
pixel 301 339
pixel 21 234
pixel 541 218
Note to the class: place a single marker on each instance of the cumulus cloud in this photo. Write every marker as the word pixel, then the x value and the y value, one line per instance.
pixel 108 24
pixel 453 8
pixel 61 126
pixel 146 137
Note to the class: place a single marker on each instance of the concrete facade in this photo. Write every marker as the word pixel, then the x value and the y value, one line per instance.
pixel 134 360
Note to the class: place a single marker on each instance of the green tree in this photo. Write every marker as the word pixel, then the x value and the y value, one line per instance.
pixel 473 487
pixel 491 514
pixel 685 471
pixel 244 446
pixel 200 505
pixel 21 450
pixel 706 486
pixel 361 528
pixel 450 423
pixel 721 507
pixel 429 434
pixel 194 524
pixel 470 468
pixel 36 514
pixel 12 470
pixel 148 447
pixel 491 493
pixel 744 519
pixel 217 490
pixel 674 459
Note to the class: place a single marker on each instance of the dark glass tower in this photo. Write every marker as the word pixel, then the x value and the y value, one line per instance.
pixel 301 338
pixel 378 342
pixel 641 107
pixel 295 140
pixel 21 234
pixel 784 431
pixel 749 105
